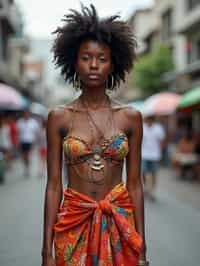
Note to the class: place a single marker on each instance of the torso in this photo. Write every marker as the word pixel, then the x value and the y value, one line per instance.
pixel 151 145
pixel 79 174
pixel 27 130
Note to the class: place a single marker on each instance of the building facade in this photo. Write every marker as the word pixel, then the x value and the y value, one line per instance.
pixel 13 45
pixel 174 23
pixel 146 26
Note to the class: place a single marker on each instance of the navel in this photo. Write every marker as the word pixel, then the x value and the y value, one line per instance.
pixel 94 194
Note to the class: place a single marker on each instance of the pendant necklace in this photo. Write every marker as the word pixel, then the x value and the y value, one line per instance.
pixel 97 149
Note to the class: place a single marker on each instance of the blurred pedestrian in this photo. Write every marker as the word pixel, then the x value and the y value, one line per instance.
pixel 185 158
pixel 42 146
pixel 96 223
pixel 27 134
pixel 5 147
pixel 13 134
pixel 152 147
pixel 5 141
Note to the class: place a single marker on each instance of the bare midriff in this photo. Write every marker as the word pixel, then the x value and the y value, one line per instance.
pixel 96 190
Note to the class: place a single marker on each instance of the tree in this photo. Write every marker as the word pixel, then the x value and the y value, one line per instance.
pixel 150 68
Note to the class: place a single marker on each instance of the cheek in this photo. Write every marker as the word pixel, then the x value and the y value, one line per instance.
pixel 82 67
pixel 106 70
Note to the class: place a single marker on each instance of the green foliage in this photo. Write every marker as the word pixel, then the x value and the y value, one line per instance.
pixel 149 69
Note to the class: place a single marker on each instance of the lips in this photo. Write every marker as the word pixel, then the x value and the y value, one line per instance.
pixel 93 76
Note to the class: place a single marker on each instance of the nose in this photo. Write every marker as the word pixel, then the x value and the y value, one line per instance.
pixel 94 63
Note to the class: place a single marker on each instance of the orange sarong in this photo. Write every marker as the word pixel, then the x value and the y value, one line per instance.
pixel 91 233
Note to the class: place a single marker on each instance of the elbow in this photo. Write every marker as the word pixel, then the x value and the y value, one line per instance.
pixel 135 189
pixel 134 186
pixel 54 193
pixel 54 185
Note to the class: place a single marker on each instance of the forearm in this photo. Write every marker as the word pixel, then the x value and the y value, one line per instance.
pixel 137 197
pixel 53 198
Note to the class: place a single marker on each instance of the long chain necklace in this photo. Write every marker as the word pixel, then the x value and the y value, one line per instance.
pixel 96 164
pixel 97 149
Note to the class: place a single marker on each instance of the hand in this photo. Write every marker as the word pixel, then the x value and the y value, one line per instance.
pixel 143 259
pixel 48 261
pixel 143 256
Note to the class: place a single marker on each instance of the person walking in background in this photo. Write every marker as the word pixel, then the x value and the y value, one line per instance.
pixel 100 220
pixel 152 146
pixel 5 141
pixel 185 158
pixel 42 146
pixel 13 134
pixel 27 134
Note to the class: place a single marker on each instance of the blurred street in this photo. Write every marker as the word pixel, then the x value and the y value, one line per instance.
pixel 172 221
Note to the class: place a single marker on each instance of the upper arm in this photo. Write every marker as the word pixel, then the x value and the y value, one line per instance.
pixel 54 149
pixel 133 160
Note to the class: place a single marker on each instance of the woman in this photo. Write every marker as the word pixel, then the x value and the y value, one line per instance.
pixel 100 222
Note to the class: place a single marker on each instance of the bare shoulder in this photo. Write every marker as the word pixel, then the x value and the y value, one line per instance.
pixel 60 115
pixel 62 110
pixel 133 114
pixel 128 112
pixel 56 114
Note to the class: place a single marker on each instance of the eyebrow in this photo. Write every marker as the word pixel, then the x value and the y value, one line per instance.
pixel 88 52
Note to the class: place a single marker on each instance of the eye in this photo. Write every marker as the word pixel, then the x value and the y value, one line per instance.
pixel 102 59
pixel 85 57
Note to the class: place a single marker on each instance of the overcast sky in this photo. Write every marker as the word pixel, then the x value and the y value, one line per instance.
pixel 41 17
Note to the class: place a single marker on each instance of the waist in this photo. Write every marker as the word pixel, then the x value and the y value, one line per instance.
pixel 94 183
pixel 112 214
pixel 96 190
pixel 116 197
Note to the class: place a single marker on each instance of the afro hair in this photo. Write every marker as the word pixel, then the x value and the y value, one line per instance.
pixel 86 25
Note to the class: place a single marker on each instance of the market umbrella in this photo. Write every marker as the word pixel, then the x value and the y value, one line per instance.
pixel 138 105
pixel 190 99
pixel 10 99
pixel 163 103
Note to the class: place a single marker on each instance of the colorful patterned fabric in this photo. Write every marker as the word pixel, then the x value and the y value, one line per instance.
pixel 91 233
pixel 77 149
pixel 118 149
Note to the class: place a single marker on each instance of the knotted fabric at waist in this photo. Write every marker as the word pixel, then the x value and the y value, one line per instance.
pixel 109 222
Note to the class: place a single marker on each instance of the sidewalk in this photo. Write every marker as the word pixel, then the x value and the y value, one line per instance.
pixel 188 192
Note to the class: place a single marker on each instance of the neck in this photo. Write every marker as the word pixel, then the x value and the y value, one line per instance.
pixel 95 97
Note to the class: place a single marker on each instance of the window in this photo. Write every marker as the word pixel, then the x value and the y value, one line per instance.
pixel 192 4
pixel 167 24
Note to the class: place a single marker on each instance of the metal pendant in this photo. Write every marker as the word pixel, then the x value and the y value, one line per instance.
pixel 97 149
pixel 96 164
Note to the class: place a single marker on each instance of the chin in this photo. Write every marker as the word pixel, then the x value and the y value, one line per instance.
pixel 94 84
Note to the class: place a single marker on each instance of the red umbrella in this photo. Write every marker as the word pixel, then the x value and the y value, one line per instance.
pixel 163 103
pixel 10 98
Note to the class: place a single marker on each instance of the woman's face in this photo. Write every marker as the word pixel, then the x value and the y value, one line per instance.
pixel 93 63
